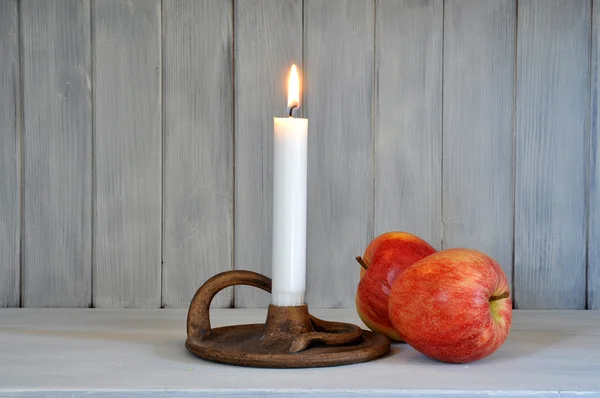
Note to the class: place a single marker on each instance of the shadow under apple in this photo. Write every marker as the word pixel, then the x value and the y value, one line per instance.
pixel 520 344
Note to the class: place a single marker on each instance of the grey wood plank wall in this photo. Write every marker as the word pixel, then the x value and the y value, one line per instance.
pixel 136 143
pixel 198 153
pixel 127 153
pixel 10 172
pixel 479 59
pixel 552 99
pixel 338 51
pixel 407 138
pixel 56 265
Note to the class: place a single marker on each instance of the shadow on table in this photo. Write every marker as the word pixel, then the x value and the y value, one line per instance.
pixel 520 344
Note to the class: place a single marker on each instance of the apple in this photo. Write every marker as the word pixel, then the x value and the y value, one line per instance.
pixel 384 259
pixel 453 306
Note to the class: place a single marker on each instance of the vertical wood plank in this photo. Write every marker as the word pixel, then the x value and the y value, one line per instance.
pixel 339 58
pixel 10 207
pixel 127 132
pixel 551 118
pixel 198 193
pixel 57 125
pixel 593 244
pixel 408 134
pixel 479 60
pixel 268 40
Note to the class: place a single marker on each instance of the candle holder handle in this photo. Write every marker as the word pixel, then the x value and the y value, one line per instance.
pixel 198 319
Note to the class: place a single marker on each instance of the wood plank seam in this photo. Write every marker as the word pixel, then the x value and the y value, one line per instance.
pixel 303 61
pixel 514 151
pixel 374 97
pixel 21 157
pixel 234 265
pixel 442 215
pixel 592 229
pixel 588 152
pixel 93 154
pixel 162 153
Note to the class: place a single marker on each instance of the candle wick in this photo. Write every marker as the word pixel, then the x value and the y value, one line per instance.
pixel 292 109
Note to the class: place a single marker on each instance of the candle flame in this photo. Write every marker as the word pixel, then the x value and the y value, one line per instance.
pixel 293 88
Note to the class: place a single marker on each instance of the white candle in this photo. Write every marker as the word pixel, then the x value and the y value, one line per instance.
pixel 289 203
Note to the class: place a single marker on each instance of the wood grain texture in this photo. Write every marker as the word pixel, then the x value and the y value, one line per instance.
pixel 140 353
pixel 593 244
pixel 408 133
pixel 268 41
pixel 198 108
pixel 57 132
pixel 10 159
pixel 339 58
pixel 551 118
pixel 479 60
pixel 127 146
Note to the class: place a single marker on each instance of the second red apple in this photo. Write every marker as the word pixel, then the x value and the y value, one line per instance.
pixel 453 306
pixel 386 257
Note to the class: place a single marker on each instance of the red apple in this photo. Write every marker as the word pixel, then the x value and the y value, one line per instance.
pixel 453 306
pixel 384 259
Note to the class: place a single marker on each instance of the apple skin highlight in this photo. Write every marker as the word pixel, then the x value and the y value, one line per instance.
pixel 453 306
pixel 386 257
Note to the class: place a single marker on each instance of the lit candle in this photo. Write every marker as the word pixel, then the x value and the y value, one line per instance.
pixel 289 202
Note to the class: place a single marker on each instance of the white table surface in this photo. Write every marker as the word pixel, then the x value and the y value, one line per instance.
pixel 141 353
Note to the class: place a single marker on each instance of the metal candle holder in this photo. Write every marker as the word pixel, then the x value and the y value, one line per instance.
pixel 290 337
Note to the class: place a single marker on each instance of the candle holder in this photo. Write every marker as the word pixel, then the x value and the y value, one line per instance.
pixel 290 337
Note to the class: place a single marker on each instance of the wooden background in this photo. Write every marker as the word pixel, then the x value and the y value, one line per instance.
pixel 136 142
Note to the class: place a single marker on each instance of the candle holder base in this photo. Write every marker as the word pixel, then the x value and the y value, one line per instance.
pixel 290 337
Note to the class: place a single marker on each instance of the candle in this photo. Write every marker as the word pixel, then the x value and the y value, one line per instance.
pixel 289 202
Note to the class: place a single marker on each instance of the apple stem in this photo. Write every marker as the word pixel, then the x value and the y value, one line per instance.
pixel 500 296
pixel 362 262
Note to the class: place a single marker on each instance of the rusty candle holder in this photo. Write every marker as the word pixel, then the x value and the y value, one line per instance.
pixel 290 337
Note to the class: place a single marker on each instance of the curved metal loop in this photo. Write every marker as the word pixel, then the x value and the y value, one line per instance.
pixel 198 319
